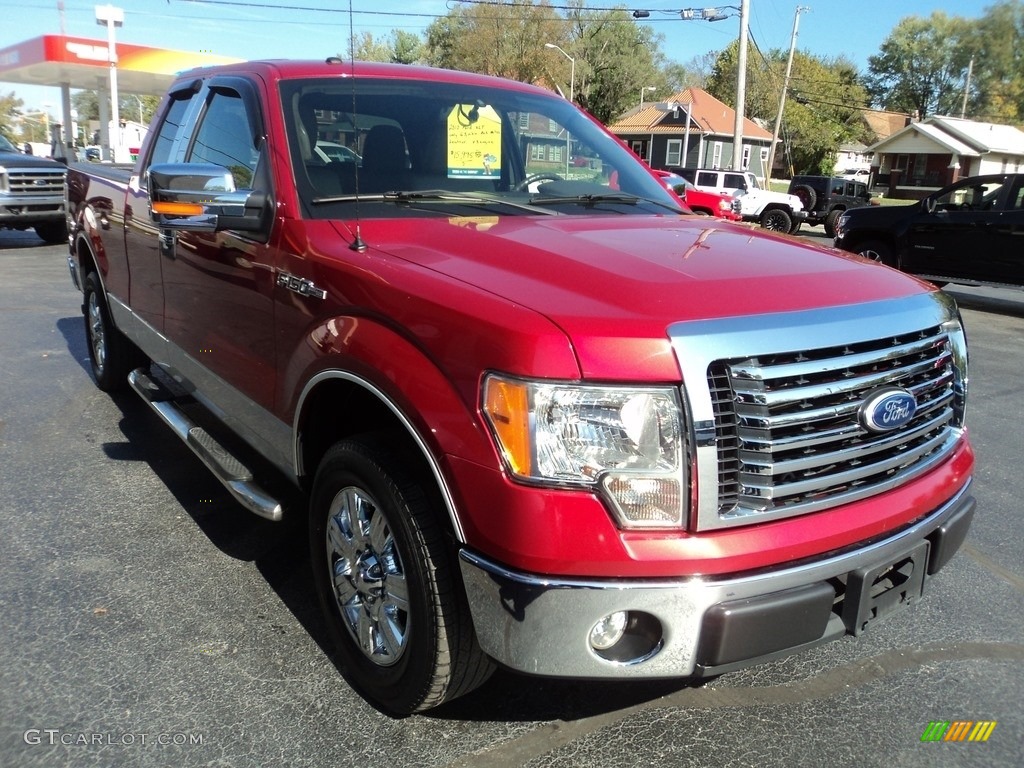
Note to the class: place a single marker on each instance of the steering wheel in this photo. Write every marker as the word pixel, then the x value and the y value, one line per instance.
pixel 524 185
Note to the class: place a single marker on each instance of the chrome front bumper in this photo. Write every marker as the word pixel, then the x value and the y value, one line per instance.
pixel 542 626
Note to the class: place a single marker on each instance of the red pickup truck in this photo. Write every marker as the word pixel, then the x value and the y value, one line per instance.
pixel 531 417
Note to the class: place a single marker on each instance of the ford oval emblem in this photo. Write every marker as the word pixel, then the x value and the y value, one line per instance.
pixel 887 409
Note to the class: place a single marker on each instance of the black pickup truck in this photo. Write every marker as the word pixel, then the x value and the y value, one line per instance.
pixel 969 232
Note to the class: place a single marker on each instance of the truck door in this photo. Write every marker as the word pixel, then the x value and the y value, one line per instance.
pixel 954 239
pixel 142 239
pixel 1006 264
pixel 218 286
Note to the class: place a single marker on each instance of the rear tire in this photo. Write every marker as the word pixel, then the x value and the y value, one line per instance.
pixel 111 355
pixel 387 577
pixel 776 220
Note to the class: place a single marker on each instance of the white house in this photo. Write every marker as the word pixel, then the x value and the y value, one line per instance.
pixel 927 155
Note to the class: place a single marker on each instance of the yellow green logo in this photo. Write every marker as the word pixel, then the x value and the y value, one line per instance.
pixel 958 730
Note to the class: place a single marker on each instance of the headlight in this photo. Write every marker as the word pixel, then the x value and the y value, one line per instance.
pixel 958 348
pixel 841 225
pixel 623 442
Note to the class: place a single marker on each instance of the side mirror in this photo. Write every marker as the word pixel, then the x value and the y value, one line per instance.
pixel 199 197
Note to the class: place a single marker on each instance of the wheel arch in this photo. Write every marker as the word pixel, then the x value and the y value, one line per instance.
pixel 337 404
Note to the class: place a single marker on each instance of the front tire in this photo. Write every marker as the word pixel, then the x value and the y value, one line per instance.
pixel 876 250
pixel 52 232
pixel 111 355
pixel 830 222
pixel 388 582
pixel 776 220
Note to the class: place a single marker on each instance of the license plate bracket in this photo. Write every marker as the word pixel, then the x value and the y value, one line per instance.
pixel 876 591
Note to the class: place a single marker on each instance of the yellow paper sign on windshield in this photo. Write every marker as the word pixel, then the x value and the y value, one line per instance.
pixel 474 142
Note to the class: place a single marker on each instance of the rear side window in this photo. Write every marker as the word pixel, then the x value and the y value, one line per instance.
pixel 735 181
pixel 707 179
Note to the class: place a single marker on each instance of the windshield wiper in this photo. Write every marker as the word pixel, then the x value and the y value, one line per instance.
pixel 591 200
pixel 429 196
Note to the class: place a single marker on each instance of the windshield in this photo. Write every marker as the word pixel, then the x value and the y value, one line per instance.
pixel 6 146
pixel 419 148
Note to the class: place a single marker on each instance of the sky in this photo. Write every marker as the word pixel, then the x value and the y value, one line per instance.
pixel 251 29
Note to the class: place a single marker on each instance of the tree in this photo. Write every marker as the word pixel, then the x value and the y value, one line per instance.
pixel 822 112
pixel 615 59
pixel 996 88
pixel 921 66
pixel 366 47
pixel 407 47
pixel 10 108
pixel 505 38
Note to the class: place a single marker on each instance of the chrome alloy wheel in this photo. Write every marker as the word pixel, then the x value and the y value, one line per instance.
pixel 370 587
pixel 97 332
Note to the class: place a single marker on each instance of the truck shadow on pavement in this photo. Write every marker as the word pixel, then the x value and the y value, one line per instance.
pixel 18 239
pixel 280 554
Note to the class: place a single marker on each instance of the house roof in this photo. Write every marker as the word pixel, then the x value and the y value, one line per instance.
pixel 958 136
pixel 990 137
pixel 708 113
pixel 884 124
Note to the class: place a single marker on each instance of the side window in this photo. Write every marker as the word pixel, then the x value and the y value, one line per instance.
pixel 163 144
pixel 674 152
pixel 706 179
pixel 735 181
pixel 225 138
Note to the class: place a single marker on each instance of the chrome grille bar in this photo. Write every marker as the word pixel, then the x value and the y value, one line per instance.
pixel 789 437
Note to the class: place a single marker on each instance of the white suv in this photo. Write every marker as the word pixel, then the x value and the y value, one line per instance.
pixel 773 210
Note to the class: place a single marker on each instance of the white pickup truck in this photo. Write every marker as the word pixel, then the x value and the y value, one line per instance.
pixel 776 211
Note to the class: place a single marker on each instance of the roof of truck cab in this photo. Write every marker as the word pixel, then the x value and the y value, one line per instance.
pixel 287 69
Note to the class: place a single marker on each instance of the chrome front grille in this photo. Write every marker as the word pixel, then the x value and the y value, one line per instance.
pixel 36 182
pixel 772 403
pixel 789 437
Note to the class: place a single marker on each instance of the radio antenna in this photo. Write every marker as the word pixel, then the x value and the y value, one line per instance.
pixel 357 244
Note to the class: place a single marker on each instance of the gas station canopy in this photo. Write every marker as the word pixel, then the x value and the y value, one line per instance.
pixel 80 62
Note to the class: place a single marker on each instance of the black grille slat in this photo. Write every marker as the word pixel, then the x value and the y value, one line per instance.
pixel 787 425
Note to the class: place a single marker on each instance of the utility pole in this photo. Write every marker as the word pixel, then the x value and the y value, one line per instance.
pixel 967 87
pixel 785 87
pixel 741 89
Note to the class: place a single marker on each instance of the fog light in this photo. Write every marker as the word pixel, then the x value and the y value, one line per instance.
pixel 608 631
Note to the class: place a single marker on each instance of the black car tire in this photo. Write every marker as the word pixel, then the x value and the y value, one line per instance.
pixel 808 197
pixel 111 355
pixel 830 222
pixel 876 250
pixel 53 232
pixel 388 579
pixel 776 220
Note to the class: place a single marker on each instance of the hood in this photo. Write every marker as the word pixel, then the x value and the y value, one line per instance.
pixel 18 160
pixel 612 277
pixel 881 215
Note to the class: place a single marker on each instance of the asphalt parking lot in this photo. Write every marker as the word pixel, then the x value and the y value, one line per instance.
pixel 148 621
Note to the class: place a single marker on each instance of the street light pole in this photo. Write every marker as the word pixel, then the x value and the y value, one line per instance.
pixel 111 17
pixel 646 88
pixel 572 70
